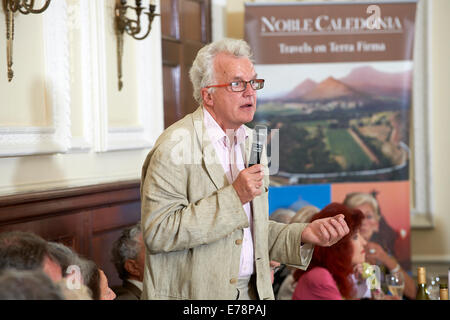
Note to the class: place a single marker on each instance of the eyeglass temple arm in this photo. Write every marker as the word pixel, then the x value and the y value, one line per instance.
pixel 218 85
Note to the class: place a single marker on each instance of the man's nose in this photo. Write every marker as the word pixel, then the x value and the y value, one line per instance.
pixel 249 91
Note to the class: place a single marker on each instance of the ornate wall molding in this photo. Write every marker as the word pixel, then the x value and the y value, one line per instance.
pixel 422 185
pixel 16 141
pixel 79 22
pixel 149 80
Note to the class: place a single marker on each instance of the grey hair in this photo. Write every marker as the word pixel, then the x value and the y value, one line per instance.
pixel 282 215
pixel 68 257
pixel 28 285
pixel 202 70
pixel 127 246
pixel 64 255
pixel 355 199
pixel 81 293
pixel 305 214
pixel 22 250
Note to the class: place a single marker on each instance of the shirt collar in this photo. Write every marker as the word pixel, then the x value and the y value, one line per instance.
pixel 216 133
pixel 137 283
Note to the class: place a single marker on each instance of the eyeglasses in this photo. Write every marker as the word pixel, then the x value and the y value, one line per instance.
pixel 241 85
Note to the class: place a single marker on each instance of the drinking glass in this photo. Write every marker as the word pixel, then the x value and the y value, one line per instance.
pixel 433 287
pixel 396 284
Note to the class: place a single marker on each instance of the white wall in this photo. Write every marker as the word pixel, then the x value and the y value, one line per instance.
pixel 63 122
pixel 433 245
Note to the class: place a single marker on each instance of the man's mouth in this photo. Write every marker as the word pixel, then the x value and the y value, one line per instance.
pixel 247 105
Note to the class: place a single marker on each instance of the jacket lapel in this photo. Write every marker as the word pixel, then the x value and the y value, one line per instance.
pixel 133 289
pixel 208 155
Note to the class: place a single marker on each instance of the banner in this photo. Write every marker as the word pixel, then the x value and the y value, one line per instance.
pixel 338 90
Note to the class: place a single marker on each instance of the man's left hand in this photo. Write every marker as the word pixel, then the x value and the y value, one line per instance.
pixel 325 232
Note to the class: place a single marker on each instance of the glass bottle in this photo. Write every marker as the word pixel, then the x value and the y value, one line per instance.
pixel 443 291
pixel 421 284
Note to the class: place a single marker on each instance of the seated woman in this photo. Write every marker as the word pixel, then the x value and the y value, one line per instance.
pixel 328 276
pixel 378 246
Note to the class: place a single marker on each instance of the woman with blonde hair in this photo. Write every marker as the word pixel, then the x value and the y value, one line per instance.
pixel 304 214
pixel 377 253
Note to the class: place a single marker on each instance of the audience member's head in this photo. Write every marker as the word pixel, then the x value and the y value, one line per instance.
pixel 91 277
pixel 369 207
pixel 76 269
pixel 282 215
pixel 305 214
pixel 341 258
pixel 31 284
pixel 73 291
pixel 64 255
pixel 27 251
pixel 128 254
pixel 95 279
pixel 106 293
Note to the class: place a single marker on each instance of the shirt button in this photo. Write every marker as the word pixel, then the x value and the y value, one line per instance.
pixel 238 241
pixel 233 280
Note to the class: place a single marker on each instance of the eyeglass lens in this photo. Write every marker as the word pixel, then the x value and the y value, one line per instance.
pixel 242 85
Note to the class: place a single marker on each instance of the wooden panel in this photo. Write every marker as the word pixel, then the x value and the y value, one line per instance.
pixel 172 105
pixel 115 217
pixel 26 206
pixel 190 52
pixel 193 17
pixel 67 229
pixel 107 224
pixel 101 252
pixel 170 25
pixel 171 51
pixel 88 219
pixel 191 27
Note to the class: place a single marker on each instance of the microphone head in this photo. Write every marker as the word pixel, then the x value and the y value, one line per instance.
pixel 260 134
pixel 259 140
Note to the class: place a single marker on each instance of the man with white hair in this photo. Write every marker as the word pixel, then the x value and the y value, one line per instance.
pixel 204 210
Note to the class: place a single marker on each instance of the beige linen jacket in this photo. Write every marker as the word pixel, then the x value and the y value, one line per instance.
pixel 193 220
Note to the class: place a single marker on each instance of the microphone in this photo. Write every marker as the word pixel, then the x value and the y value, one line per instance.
pixel 259 140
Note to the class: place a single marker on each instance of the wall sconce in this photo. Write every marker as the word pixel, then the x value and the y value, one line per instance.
pixel 11 7
pixel 131 27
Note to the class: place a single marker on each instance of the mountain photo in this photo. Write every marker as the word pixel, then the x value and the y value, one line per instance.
pixel 350 124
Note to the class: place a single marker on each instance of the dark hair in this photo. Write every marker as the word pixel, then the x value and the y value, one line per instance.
pixel 28 285
pixel 126 247
pixel 22 250
pixel 337 259
pixel 92 279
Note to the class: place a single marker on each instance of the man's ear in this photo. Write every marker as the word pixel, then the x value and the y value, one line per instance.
pixel 131 267
pixel 207 97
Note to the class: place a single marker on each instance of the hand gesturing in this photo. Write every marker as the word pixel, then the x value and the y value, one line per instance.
pixel 325 232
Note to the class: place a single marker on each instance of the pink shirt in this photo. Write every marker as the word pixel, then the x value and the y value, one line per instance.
pixel 316 284
pixel 223 148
